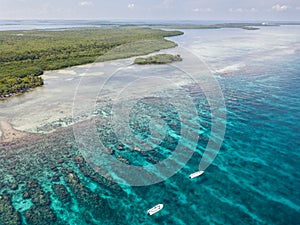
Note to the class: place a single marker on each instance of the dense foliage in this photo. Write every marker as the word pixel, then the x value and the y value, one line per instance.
pixel 158 59
pixel 24 55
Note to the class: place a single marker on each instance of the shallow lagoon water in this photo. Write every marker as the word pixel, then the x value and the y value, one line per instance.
pixel 253 180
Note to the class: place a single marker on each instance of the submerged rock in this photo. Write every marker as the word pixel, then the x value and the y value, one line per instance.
pixel 62 193
pixel 40 213
pixel 8 215
pixel 37 195
pixel 92 202
pixel 14 187
pixel 60 161
pixel 32 184
pixel 100 179
pixel 40 216
pixel 2 185
pixel 26 195
pixel 56 178
pixel 109 151
pixel 152 160
pixel 135 148
pixel 79 160
pixel 120 146
pixel 40 198
pixel 123 160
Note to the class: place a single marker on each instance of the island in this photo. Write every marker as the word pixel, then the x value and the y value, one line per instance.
pixel 25 55
pixel 245 26
pixel 158 59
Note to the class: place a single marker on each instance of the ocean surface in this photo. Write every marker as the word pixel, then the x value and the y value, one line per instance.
pixel 96 132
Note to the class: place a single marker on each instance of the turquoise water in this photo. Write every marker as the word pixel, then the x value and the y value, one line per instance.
pixel 260 154
pixel 254 179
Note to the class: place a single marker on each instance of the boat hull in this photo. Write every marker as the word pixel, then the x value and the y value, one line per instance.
pixel 196 174
pixel 155 209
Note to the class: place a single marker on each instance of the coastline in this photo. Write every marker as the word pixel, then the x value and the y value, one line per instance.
pixel 10 134
pixel 154 28
pixel 115 47
pixel 45 97
pixel 109 44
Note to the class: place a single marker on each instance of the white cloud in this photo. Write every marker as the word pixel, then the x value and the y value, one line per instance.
pixel 298 8
pixel 202 10
pixel 168 2
pixel 130 6
pixel 86 3
pixel 280 8
pixel 240 10
pixel 236 10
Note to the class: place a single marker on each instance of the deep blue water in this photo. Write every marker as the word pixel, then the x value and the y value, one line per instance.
pixel 261 149
pixel 255 178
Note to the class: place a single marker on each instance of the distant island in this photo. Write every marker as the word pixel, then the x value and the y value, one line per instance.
pixel 158 59
pixel 245 26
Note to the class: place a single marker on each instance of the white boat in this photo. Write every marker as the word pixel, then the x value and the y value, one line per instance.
pixel 196 174
pixel 155 209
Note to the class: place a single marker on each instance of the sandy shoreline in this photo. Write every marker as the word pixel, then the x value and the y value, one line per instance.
pixel 10 134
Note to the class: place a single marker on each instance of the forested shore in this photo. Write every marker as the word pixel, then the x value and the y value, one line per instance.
pixel 25 55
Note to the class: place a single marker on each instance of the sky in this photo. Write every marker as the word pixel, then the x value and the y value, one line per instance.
pixel 237 10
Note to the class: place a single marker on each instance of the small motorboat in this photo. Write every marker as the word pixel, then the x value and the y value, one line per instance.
pixel 196 174
pixel 155 209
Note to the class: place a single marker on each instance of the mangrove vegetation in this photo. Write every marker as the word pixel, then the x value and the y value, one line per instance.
pixel 25 55
pixel 158 59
